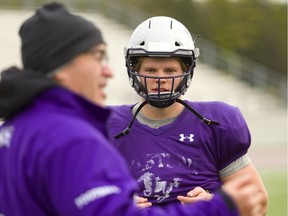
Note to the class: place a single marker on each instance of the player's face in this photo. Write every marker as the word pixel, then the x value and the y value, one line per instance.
pixel 86 75
pixel 163 68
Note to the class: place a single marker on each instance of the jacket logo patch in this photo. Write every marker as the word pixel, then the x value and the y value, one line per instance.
pixel 6 136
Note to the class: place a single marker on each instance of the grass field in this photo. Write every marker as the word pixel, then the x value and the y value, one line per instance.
pixel 276 185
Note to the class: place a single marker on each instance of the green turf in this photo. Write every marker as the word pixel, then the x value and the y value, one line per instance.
pixel 276 185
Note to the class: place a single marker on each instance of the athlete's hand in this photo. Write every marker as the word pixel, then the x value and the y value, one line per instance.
pixel 197 194
pixel 142 202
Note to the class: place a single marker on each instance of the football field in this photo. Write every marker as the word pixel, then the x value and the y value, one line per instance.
pixel 276 185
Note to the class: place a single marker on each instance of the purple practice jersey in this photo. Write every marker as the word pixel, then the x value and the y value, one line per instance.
pixel 173 159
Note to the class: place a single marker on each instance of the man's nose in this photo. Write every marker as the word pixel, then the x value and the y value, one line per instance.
pixel 161 77
pixel 107 71
pixel 161 80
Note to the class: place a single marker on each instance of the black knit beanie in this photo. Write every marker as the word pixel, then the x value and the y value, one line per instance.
pixel 53 36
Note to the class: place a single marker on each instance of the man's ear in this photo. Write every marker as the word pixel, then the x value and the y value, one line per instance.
pixel 62 75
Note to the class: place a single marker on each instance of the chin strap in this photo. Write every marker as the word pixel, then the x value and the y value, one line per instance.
pixel 128 129
pixel 204 120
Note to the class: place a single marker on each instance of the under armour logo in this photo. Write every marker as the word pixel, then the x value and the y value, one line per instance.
pixel 190 137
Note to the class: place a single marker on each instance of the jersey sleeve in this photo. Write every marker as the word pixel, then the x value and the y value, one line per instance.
pixel 233 137
pixel 235 166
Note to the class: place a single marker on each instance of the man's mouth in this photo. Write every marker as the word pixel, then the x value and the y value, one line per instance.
pixel 156 90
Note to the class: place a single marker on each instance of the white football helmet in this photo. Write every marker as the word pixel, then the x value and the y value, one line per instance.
pixel 161 36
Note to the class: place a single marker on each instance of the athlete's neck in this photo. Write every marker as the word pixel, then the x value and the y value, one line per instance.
pixel 155 113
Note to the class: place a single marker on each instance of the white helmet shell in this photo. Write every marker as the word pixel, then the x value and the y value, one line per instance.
pixel 173 36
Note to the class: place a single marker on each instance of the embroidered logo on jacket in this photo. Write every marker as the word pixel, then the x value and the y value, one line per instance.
pixel 95 193
pixel 183 137
pixel 6 136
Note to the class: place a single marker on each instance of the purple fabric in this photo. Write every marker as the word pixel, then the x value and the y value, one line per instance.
pixel 175 158
pixel 56 160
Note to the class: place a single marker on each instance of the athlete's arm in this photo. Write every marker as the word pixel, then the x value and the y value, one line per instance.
pixel 255 179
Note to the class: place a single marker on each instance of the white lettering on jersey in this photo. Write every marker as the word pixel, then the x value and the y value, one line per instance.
pixel 162 189
pixel 155 160
pixel 152 184
pixel 190 137
pixel 95 193
pixel 6 136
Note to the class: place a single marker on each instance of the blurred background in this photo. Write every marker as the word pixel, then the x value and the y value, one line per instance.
pixel 243 62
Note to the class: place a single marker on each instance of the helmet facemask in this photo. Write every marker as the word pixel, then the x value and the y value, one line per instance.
pixel 160 99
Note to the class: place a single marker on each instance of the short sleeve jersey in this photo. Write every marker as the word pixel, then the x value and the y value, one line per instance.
pixel 173 159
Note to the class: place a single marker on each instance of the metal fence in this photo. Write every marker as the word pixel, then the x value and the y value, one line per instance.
pixel 251 72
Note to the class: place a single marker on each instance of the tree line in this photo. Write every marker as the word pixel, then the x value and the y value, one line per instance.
pixel 254 29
